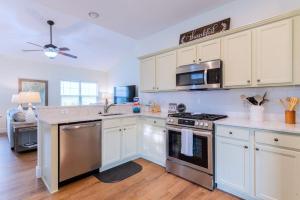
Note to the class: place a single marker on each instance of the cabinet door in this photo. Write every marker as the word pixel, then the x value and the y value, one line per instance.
pixel 277 173
pixel 129 142
pixel 274 53
pixel 154 144
pixel 237 59
pixel 111 146
pixel 166 71
pixel 233 164
pixel 210 50
pixel 186 55
pixel 147 74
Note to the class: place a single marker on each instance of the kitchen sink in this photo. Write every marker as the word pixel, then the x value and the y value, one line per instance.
pixel 110 114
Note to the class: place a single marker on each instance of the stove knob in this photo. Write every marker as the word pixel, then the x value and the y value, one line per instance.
pixel 196 123
pixel 206 124
pixel 201 123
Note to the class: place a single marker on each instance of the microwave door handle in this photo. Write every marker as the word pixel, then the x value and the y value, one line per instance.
pixel 205 77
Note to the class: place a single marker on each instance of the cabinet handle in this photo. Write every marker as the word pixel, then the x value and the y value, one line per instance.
pixel 230 132
pixel 257 149
pixel 276 139
pixel 246 147
pixel 258 80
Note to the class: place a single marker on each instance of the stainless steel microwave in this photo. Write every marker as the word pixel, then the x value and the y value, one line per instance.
pixel 205 75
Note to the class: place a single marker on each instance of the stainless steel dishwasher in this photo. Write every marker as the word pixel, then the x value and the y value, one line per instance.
pixel 79 149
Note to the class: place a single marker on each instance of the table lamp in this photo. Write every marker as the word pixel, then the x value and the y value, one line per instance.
pixel 30 98
pixel 17 100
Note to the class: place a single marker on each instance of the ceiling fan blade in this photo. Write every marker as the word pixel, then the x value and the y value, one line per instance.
pixel 35 44
pixel 31 50
pixel 66 54
pixel 64 49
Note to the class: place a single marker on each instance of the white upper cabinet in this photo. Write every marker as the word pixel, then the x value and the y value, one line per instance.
pixel 237 59
pixel 147 74
pixel 186 55
pixel 277 173
pixel 274 53
pixel 129 141
pixel 210 50
pixel 296 49
pixel 233 164
pixel 166 71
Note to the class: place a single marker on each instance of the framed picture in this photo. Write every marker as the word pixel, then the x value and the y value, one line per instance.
pixel 31 85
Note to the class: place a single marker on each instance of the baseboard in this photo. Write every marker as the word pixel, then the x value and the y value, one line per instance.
pixel 38 172
pixel 3 131
pixel 234 192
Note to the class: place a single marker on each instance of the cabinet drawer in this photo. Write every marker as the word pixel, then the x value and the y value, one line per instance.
pixel 129 121
pixel 233 132
pixel 111 123
pixel 155 122
pixel 277 139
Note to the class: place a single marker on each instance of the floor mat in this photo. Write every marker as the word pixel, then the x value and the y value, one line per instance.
pixel 119 173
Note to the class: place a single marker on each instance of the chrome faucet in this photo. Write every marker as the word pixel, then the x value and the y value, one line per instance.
pixel 106 106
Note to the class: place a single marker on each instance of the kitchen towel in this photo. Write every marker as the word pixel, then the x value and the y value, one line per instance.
pixel 187 142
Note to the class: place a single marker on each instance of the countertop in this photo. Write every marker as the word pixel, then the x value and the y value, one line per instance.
pixel 265 125
pixel 70 119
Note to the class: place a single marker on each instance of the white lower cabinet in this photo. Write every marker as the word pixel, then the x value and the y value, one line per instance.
pixel 233 161
pixel 258 164
pixel 277 173
pixel 111 146
pixel 129 141
pixel 119 141
pixel 154 141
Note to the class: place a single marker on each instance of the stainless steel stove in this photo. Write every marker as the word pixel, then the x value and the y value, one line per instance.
pixel 199 166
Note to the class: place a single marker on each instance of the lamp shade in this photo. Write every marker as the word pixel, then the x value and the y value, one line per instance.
pixel 15 99
pixel 30 97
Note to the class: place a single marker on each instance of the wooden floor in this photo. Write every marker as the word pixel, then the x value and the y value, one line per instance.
pixel 17 181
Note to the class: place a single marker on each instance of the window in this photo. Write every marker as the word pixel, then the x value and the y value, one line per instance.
pixel 78 93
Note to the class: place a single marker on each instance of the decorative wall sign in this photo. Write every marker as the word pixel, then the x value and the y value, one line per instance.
pixel 204 31
pixel 30 85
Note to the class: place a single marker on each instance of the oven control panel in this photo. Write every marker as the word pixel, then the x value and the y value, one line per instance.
pixel 202 124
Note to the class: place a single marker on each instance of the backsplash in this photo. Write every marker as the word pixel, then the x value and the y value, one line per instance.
pixel 225 101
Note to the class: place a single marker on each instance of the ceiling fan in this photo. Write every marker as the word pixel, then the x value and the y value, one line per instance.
pixel 50 50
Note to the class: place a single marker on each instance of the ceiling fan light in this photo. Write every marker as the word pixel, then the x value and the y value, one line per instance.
pixel 50 52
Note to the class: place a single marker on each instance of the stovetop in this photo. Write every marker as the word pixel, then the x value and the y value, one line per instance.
pixel 202 116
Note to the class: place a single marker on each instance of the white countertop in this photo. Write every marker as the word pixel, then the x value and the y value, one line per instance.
pixel 70 119
pixel 266 125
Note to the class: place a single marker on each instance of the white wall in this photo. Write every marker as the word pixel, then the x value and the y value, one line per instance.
pixel 241 12
pixel 11 69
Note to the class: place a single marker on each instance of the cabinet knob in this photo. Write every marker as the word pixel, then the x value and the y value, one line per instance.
pixel 124 129
pixel 246 147
pixel 230 132
pixel 248 81
pixel 257 149
pixel 199 59
pixel 154 122
pixel 258 80
pixel 194 61
pixel 164 131
pixel 276 139
pixel 120 130
pixel 157 88
pixel 153 88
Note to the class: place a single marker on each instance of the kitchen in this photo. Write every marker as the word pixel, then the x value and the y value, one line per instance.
pixel 208 111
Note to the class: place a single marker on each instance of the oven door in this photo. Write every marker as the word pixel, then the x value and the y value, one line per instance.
pixel 202 158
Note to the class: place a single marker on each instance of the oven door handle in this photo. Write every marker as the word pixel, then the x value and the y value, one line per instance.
pixel 195 132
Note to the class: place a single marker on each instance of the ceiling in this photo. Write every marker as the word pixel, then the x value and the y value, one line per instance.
pixel 135 18
pixel 100 43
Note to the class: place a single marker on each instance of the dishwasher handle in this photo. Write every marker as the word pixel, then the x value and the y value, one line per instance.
pixel 79 126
